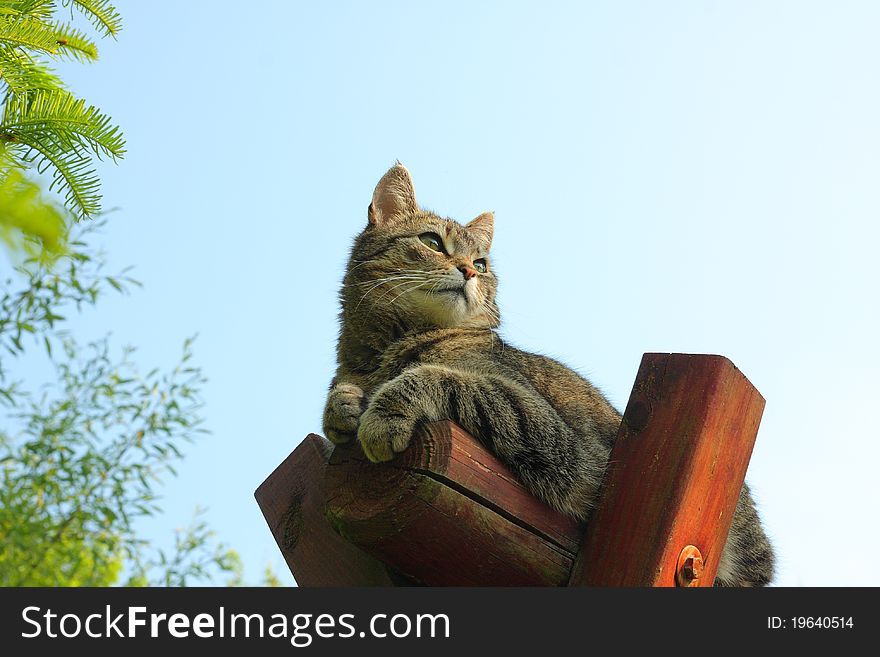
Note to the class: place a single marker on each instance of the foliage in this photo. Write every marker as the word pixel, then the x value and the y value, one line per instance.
pixel 25 214
pixel 36 293
pixel 44 127
pixel 82 456
pixel 195 557
pixel 85 453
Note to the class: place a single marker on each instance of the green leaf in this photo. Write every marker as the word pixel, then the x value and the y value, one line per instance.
pixel 21 72
pixel 28 32
pixel 53 129
pixel 26 220
pixel 72 42
pixel 35 8
pixel 101 13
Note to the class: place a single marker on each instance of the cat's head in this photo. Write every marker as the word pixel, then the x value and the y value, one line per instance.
pixel 412 265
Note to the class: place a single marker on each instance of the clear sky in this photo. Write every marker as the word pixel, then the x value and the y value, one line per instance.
pixel 678 176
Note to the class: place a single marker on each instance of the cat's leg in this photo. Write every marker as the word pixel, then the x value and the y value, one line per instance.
pixel 560 464
pixel 747 558
pixel 345 404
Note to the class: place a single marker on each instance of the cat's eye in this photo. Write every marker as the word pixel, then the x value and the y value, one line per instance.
pixel 432 241
pixel 480 265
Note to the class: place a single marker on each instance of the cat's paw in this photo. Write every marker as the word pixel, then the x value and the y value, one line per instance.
pixel 385 430
pixel 345 405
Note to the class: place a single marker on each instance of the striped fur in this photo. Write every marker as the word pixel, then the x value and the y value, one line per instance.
pixel 417 343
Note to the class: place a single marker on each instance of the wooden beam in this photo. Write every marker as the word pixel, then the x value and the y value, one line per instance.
pixel 291 502
pixel 675 474
pixel 447 512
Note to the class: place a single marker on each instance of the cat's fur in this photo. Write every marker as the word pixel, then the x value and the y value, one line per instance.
pixel 417 344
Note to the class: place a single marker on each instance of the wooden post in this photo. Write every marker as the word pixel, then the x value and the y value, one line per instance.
pixel 291 502
pixel 446 512
pixel 675 475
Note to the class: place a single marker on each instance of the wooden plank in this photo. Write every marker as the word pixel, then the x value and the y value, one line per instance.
pixel 291 502
pixel 447 512
pixel 675 474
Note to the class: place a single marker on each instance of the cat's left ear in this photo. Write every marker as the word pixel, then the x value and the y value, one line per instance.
pixel 393 197
pixel 482 228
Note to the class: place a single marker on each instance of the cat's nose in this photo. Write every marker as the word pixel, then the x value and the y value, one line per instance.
pixel 469 272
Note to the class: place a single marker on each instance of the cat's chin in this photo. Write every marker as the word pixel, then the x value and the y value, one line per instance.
pixel 439 308
pixel 449 308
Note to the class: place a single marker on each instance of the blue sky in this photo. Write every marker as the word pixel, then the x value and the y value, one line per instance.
pixel 677 176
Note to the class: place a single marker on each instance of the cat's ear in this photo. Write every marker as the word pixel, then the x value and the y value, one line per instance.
pixel 394 196
pixel 483 227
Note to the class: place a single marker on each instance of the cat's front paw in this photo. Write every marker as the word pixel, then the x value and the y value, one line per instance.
pixel 342 413
pixel 386 429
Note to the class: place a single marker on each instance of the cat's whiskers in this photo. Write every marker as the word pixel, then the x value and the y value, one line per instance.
pixel 360 263
pixel 411 289
pixel 377 283
pixel 386 272
pixel 435 277
pixel 494 317
pixel 390 274
pixel 391 289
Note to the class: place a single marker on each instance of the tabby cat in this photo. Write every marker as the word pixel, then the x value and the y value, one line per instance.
pixel 417 343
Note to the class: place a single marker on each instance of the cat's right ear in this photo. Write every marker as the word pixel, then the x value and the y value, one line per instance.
pixel 394 196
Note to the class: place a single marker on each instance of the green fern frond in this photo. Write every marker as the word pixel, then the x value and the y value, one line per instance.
pixel 53 129
pixel 41 9
pixel 43 126
pixel 67 117
pixel 26 32
pixel 72 42
pixel 101 13
pixel 54 39
pixel 71 174
pixel 21 73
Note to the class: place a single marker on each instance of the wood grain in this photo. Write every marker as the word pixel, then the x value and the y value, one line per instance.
pixel 675 474
pixel 290 499
pixel 447 512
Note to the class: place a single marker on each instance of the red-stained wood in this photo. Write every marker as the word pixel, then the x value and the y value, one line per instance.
pixel 447 512
pixel 291 502
pixel 675 474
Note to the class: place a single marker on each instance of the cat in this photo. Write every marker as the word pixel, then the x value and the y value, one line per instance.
pixel 417 343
